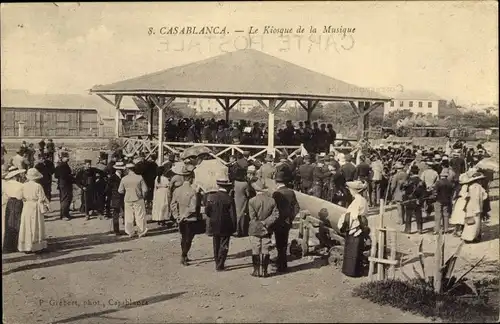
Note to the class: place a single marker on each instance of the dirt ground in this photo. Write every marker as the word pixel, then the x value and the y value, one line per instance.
pixel 92 277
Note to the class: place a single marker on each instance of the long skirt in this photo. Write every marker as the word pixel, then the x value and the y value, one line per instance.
pixel 241 205
pixel 472 232
pixel 32 232
pixel 160 205
pixel 458 213
pixel 353 256
pixel 13 213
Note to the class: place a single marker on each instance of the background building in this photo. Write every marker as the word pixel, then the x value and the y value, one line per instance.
pixel 423 102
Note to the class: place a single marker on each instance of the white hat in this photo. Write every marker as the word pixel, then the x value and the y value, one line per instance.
pixel 437 157
pixel 13 173
pixel 12 168
pixel 119 165
pixel 130 165
pixel 33 174
pixel 357 185
pixel 251 168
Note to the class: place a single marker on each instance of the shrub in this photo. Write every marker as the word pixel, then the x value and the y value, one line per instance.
pixel 418 297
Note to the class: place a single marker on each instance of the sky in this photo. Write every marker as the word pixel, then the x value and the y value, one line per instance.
pixel 448 48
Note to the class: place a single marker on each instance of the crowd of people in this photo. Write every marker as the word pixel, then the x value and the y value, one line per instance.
pixel 315 136
pixel 419 181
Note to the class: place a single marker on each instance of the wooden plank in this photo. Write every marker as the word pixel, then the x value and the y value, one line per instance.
pixel 382 262
pixel 373 252
pixel 380 254
pixel 392 257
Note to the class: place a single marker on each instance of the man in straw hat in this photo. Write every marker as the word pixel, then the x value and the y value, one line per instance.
pixel 65 182
pixel 116 199
pixel 355 226
pixel 134 188
pixel 13 191
pixel 414 192
pixel 288 208
pixel 263 215
pixel 184 207
pixel 444 190
pixel 221 214
pixel 396 184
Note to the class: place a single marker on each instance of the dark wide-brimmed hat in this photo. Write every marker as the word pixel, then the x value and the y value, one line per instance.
pixel 280 177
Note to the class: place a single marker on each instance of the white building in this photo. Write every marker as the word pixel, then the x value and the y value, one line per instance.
pixel 417 102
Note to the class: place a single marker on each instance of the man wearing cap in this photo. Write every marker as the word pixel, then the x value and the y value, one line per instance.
pixel 321 173
pixel 65 181
pixel 348 169
pixel 306 174
pixel 263 215
pixel 429 176
pixel 19 160
pixel 134 188
pixel 45 166
pixel 267 170
pixel 241 194
pixel 221 214
pixel 85 180
pixel 414 192
pixel 184 207
pixel 396 184
pixel 149 176
pixel 284 166
pixel 288 208
pixel 444 190
pixel 115 198
pixel 457 162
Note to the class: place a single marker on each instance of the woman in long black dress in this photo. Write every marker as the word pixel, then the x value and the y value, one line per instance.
pixel 13 190
pixel 353 224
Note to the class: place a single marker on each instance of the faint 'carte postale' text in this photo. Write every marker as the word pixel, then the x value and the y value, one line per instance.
pixel 207 39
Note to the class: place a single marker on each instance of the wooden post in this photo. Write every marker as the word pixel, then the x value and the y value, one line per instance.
pixel 117 122
pixel 118 100
pixel 270 128
pixel 438 265
pixel 160 135
pixel 150 120
pixel 373 254
pixel 305 239
pixel 227 114
pixel 381 241
pixel 392 268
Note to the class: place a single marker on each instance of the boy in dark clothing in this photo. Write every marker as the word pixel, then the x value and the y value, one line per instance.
pixel 413 195
pixel 444 190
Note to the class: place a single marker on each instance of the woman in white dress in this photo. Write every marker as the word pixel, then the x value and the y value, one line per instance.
pixel 458 213
pixel 161 204
pixel 474 209
pixel 32 231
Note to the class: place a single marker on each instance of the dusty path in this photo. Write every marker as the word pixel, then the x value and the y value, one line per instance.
pixel 91 276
